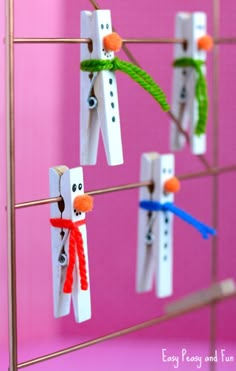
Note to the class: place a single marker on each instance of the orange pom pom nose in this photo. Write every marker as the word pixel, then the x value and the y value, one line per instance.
pixel 112 42
pixel 83 203
pixel 172 185
pixel 205 43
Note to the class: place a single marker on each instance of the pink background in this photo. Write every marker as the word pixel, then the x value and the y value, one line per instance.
pixel 47 134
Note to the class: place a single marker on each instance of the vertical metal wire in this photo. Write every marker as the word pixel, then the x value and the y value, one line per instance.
pixel 215 193
pixel 12 304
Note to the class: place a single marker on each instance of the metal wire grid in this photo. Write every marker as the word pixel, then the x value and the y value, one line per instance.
pixel 209 170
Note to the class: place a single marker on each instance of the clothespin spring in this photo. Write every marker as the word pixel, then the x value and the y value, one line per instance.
pixel 92 100
pixel 149 237
pixel 63 258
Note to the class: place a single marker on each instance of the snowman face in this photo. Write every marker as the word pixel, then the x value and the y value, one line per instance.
pixel 104 28
pixel 77 189
pixel 166 173
pixel 72 186
pixel 197 25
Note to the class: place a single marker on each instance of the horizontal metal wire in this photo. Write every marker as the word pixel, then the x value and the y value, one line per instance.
pixel 125 331
pixel 51 40
pixel 76 40
pixel 124 187
pixel 225 40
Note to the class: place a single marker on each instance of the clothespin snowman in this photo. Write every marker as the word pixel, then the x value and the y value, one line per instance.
pixel 155 224
pixel 99 107
pixel 190 101
pixel 69 243
pixel 155 231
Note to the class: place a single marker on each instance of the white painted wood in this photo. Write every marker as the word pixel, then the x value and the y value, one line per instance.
pixel 145 251
pixel 163 227
pixel 95 25
pixel 155 259
pixel 189 26
pixel 61 301
pixel 61 182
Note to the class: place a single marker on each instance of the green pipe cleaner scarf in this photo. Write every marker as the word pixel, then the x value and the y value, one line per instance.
pixel 136 73
pixel 200 91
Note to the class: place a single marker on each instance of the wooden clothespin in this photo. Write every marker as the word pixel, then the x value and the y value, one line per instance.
pixel 99 101
pixel 99 107
pixel 69 243
pixel 155 255
pixel 155 233
pixel 216 292
pixel 190 101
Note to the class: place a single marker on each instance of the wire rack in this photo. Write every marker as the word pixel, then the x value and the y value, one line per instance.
pixel 212 170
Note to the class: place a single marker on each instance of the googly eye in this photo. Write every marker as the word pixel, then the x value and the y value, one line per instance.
pixel 62 259
pixel 74 188
pixel 92 102
pixel 80 186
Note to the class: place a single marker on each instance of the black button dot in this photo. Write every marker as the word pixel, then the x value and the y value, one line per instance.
pixel 113 119
pixel 165 257
pixel 110 81
pixel 166 220
pixel 166 232
pixel 112 105
pixel 111 93
pixel 165 245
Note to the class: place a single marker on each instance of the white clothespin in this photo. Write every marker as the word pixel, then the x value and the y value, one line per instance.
pixel 192 28
pixel 155 229
pixel 99 106
pixel 69 243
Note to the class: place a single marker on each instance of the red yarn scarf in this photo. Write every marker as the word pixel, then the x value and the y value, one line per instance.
pixel 75 246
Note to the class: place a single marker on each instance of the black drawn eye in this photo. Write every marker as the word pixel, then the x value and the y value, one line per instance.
pixel 102 26
pixel 80 186
pixel 107 26
pixel 74 187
